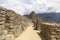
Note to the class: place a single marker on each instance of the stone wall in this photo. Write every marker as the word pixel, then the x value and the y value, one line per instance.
pixel 12 24
pixel 50 32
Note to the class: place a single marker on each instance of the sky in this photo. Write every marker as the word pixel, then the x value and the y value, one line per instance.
pixel 26 6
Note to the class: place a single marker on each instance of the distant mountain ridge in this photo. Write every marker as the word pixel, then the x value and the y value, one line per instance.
pixel 53 16
pixel 50 16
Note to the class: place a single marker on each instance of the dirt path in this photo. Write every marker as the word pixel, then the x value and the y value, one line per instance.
pixel 29 34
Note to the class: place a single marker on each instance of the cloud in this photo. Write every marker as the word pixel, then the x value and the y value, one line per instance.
pixel 26 6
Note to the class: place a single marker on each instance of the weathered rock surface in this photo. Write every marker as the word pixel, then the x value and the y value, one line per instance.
pixel 50 31
pixel 12 24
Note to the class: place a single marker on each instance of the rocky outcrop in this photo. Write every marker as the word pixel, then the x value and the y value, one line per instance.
pixel 12 24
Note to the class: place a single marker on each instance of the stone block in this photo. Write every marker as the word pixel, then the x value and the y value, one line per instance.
pixel 10 37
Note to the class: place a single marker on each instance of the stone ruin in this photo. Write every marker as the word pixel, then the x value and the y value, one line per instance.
pixel 11 24
pixel 50 32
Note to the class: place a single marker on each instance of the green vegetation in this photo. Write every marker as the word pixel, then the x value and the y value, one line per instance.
pixel 33 15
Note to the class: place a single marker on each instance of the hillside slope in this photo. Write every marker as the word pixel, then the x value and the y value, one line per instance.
pixel 12 24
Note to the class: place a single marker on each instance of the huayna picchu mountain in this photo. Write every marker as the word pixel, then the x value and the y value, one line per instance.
pixel 52 16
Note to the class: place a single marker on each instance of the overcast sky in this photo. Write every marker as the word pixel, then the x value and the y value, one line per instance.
pixel 26 6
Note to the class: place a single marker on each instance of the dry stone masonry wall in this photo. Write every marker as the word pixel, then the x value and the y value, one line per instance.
pixel 2 23
pixel 12 24
pixel 50 32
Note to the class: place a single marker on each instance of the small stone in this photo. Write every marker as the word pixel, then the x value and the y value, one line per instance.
pixel 10 37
